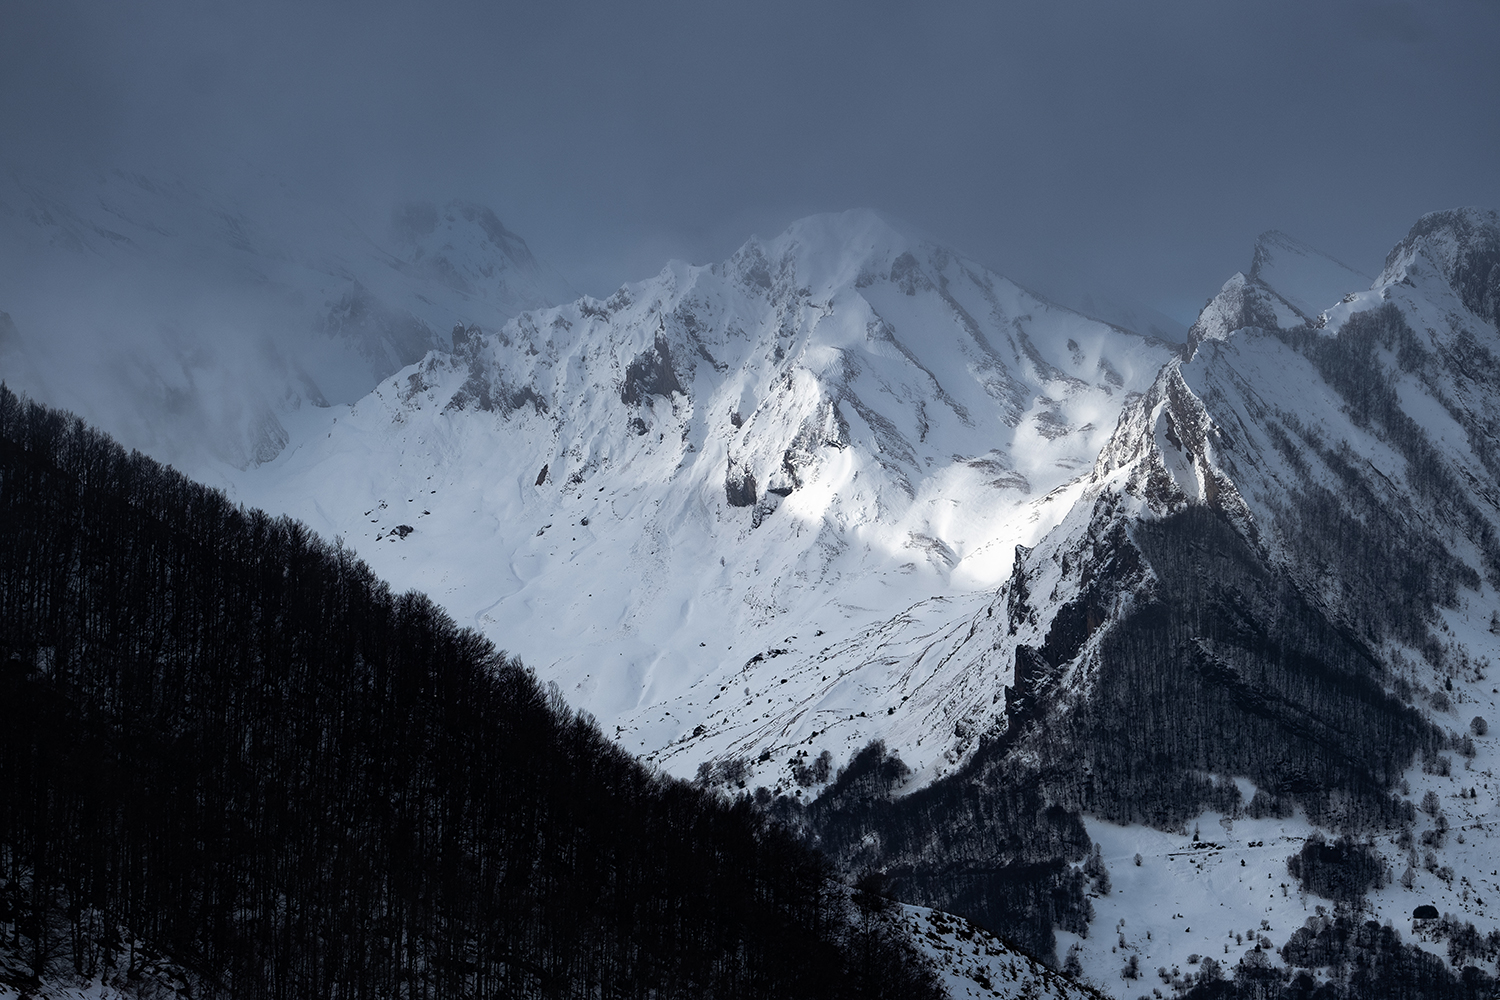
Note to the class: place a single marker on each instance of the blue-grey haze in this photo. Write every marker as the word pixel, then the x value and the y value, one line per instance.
pixel 1136 146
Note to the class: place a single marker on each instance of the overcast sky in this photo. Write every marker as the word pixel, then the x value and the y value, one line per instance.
pixel 1138 145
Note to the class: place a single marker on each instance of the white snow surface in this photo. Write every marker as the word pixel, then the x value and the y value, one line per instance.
pixel 1212 891
pixel 972 962
pixel 1302 277
pixel 921 415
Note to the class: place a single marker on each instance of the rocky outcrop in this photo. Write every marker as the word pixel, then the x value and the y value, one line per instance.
pixel 650 374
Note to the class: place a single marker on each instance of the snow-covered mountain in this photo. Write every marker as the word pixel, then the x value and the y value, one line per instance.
pixel 1100 594
pixel 1351 453
pixel 188 323
pixel 1183 649
pixel 1270 615
pixel 743 512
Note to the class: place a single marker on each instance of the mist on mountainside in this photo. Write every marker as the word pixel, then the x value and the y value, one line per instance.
pixel 190 323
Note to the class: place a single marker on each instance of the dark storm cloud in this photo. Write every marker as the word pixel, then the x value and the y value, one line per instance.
pixel 1138 145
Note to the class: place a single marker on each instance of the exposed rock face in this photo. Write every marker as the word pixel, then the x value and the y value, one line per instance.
pixel 650 374
pixel 739 486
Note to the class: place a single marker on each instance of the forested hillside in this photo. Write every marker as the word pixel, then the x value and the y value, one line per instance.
pixel 226 738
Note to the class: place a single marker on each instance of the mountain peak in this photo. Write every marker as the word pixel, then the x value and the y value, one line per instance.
pixel 1302 276
pixel 466 247
pixel 123 287
pixel 1240 303
pixel 1462 246
pixel 828 250
pixel 854 227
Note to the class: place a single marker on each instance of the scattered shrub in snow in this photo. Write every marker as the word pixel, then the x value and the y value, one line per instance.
pixel 1465 943
pixel 873 773
pixel 732 771
pixel 1094 868
pixel 1343 871
pixel 815 773
pixel 1373 957
pixel 1438 834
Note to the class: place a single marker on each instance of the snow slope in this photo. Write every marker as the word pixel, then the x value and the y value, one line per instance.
pixel 741 511
pixel 1303 278
pixel 972 962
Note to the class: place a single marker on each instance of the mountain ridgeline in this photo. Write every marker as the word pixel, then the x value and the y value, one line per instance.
pixel 1276 598
pixel 720 485
pixel 227 743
